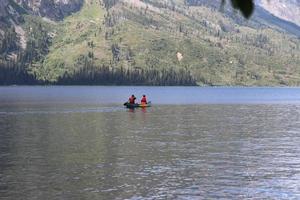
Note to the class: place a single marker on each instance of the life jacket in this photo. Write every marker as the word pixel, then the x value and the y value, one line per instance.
pixel 144 100
pixel 132 100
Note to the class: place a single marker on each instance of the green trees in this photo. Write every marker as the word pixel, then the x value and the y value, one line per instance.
pixel 139 44
pixel 14 73
pixel 105 75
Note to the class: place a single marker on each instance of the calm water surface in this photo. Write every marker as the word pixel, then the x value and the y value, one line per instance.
pixel 194 143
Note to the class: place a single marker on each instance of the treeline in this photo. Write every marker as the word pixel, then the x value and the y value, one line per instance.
pixel 89 75
pixel 13 73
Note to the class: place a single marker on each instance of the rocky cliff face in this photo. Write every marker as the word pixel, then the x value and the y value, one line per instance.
pixel 3 5
pixel 13 38
pixel 8 11
pixel 285 9
pixel 3 14
pixel 53 9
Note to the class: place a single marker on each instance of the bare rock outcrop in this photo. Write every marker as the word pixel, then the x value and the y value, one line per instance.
pixel 52 9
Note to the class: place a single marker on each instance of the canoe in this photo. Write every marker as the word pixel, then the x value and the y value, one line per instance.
pixel 137 105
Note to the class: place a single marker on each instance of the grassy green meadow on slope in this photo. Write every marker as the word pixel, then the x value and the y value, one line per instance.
pixel 149 39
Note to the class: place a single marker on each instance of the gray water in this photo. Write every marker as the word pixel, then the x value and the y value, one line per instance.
pixel 194 143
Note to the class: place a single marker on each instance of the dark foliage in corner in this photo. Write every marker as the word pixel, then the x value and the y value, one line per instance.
pixel 245 6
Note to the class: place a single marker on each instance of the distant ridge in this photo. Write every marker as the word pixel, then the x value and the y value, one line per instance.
pixel 285 25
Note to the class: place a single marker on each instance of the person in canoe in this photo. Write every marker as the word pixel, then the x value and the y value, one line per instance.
pixel 132 99
pixel 144 100
pixel 132 104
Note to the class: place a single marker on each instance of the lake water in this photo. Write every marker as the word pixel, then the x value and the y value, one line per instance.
pixel 194 143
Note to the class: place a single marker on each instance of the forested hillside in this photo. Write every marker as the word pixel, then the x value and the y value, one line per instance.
pixel 150 42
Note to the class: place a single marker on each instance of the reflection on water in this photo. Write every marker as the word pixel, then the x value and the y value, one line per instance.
pixel 162 152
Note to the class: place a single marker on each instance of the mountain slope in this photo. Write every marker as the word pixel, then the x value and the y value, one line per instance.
pixel 282 25
pixel 15 15
pixel 150 42
pixel 287 10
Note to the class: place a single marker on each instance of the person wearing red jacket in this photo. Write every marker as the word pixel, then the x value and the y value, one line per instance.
pixel 132 99
pixel 144 100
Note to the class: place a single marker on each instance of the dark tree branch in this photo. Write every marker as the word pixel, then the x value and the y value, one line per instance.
pixel 245 6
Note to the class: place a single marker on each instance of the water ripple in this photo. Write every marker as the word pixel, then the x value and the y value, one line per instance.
pixel 167 152
pixel 64 111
